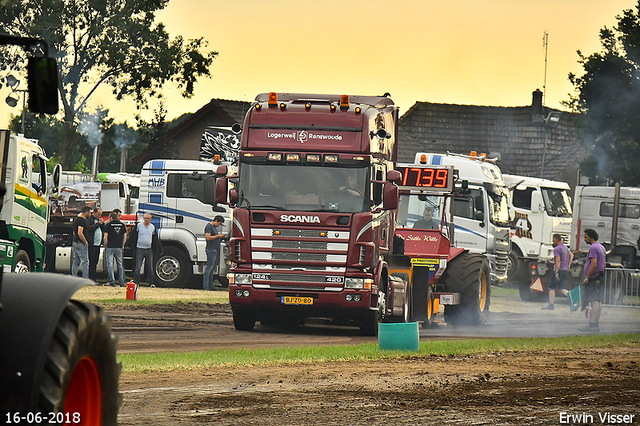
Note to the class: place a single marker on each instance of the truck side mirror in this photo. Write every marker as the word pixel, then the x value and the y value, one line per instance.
pixel 391 196
pixel 221 190
pixel 536 202
pixel 42 78
pixel 233 196
pixel 221 170
pixel 394 176
pixel 55 177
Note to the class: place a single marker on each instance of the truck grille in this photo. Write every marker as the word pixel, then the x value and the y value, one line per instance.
pixel 275 251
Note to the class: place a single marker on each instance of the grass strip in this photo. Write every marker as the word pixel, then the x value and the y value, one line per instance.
pixel 177 361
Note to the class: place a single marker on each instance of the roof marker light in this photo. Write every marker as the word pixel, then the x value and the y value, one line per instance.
pixel 313 158
pixel 307 106
pixel 258 107
pixel 273 100
pixel 344 102
pixel 332 108
pixel 283 106
pixel 275 156
pixel 358 110
pixel 293 157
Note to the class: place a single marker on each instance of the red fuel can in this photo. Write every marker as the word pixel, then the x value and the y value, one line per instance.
pixel 132 291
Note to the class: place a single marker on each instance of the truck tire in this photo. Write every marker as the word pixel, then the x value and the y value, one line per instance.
pixel 513 267
pixel 431 314
pixel 23 263
pixel 368 323
pixel 81 373
pixel 173 269
pixel 468 274
pixel 243 321
pixel 406 312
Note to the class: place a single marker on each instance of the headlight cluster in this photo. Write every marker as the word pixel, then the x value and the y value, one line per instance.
pixel 358 283
pixel 353 297
pixel 242 293
pixel 239 279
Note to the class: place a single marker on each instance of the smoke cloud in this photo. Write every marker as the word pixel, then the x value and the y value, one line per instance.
pixel 90 128
pixel 125 137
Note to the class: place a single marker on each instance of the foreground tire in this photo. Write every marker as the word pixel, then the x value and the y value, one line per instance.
pixel 81 373
pixel 431 314
pixel 173 269
pixel 468 274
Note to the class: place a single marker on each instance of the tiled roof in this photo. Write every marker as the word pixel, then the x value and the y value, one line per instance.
pixel 514 134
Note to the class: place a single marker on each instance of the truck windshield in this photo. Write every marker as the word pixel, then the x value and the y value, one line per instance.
pixel 304 188
pixel 420 211
pixel 556 202
pixel 498 206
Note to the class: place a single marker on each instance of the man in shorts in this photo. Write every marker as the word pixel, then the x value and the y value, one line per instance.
pixel 562 257
pixel 593 280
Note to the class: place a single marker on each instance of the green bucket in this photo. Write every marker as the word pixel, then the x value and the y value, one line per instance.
pixel 399 336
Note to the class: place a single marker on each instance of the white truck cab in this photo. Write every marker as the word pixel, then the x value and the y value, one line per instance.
pixel 481 215
pixel 180 195
pixel 538 208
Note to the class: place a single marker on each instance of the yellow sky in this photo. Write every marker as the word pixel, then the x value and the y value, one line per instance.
pixel 456 51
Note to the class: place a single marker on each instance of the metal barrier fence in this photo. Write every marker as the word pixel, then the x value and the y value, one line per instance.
pixel 621 287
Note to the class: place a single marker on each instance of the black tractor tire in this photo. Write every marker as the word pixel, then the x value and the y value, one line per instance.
pixel 174 269
pixel 243 321
pixel 23 263
pixel 469 275
pixel 81 372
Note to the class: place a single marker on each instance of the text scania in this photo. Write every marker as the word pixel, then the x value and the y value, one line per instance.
pixel 303 219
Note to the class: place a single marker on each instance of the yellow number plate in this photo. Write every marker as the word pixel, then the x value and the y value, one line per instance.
pixel 290 300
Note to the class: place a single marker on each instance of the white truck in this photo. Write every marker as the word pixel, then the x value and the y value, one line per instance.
pixel 24 216
pixel 538 208
pixel 482 215
pixel 180 195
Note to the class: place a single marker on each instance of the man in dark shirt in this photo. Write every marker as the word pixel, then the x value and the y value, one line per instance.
pixel 94 234
pixel 213 237
pixel 427 221
pixel 115 236
pixel 80 244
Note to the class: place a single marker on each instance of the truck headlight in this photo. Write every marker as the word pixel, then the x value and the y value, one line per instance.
pixel 239 279
pixel 354 283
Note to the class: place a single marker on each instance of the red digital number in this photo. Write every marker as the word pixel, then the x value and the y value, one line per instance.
pixel 426 178
pixel 441 178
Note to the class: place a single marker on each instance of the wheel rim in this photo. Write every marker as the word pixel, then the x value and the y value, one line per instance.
pixel 21 267
pixel 168 269
pixel 482 290
pixel 429 308
pixel 84 394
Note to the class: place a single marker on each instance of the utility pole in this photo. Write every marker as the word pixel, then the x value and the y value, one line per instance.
pixel 545 44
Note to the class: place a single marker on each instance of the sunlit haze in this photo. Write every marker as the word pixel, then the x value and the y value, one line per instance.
pixel 459 51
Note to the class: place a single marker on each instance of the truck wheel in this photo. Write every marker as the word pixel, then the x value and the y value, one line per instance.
pixel 368 323
pixel 81 373
pixel 513 267
pixel 173 269
pixel 468 274
pixel 406 310
pixel 243 321
pixel 431 314
pixel 23 263
pixel 525 292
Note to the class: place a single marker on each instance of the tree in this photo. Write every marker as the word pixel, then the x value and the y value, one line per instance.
pixel 608 98
pixel 113 42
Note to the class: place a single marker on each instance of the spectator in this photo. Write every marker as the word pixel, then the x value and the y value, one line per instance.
pixel 144 240
pixel 115 237
pixel 213 238
pixel 94 234
pixel 593 280
pixel 562 260
pixel 80 244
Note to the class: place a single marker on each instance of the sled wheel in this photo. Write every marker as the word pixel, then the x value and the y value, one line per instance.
pixel 80 378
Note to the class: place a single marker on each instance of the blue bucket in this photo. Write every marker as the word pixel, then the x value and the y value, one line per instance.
pixel 398 336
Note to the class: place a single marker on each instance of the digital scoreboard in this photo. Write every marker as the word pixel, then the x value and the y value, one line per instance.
pixel 427 178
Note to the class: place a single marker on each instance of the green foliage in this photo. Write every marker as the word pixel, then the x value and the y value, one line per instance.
pixel 608 98
pixel 112 42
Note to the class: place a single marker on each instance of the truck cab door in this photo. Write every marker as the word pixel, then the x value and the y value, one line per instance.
pixel 470 221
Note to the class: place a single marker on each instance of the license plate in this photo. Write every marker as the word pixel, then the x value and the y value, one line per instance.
pixel 291 300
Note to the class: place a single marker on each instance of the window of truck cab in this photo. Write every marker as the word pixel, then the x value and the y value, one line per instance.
pixel 556 202
pixel 186 186
pixel 304 187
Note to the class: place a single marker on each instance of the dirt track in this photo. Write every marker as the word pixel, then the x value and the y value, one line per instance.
pixel 508 388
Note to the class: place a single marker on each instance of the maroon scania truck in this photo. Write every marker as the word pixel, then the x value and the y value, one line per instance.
pixel 314 209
